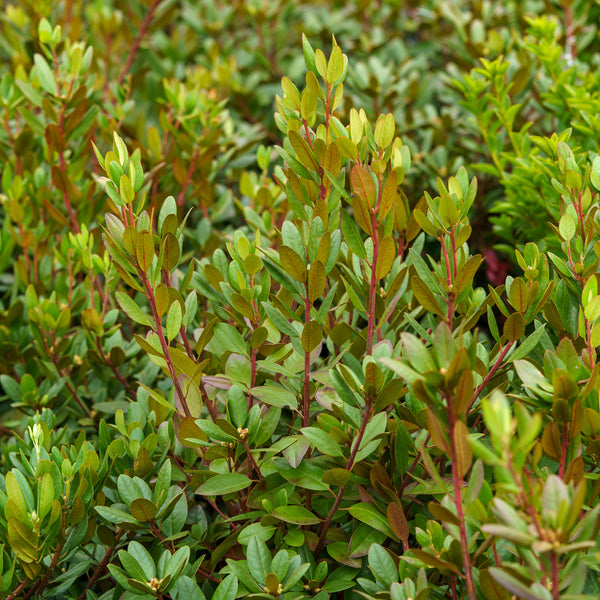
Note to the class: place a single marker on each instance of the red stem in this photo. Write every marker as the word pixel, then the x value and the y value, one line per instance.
pixel 349 465
pixel 464 542
pixel 138 40
pixel 102 566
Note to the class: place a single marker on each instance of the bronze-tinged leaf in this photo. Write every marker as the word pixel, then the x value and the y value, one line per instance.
pixel 362 185
pixel 143 465
pixel 337 476
pixel 316 280
pixel 242 305
pixel 442 514
pixel 161 299
pixel 465 275
pixel 463 392
pixel 312 334
pixel 143 510
pixel 171 252
pixel 551 441
pixel 490 588
pixel 362 216
pixel 433 561
pixel 397 521
pixel 575 471
pixel 463 455
pixel 324 247
pixel 388 196
pixel 373 378
pixel 303 152
pixel 425 296
pixel 52 210
pixel 293 264
pixel 517 295
pixel 130 236
pixel 321 210
pixel 514 327
pixel 385 258
pixel 144 250
pixel 332 161
pixel 436 432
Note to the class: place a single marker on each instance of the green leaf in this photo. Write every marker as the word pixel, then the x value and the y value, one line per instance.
pixel 115 516
pixel 225 483
pixel 45 74
pixel 567 227
pixel 367 513
pixel 309 55
pixel 382 565
pixel 230 338
pixel 131 309
pixel 275 395
pixel 227 589
pixel 424 296
pixel 514 585
pixel 45 495
pixel 352 235
pixel 298 515
pixel 529 343
pixel 259 559
pixel 174 320
pixel 141 558
pixel 322 441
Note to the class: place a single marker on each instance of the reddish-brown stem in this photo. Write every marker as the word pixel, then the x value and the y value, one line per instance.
pixel 564 448
pixel 569 32
pixel 450 315
pixel 349 465
pixel 453 585
pixel 464 542
pixel 252 375
pixel 15 593
pixel 115 370
pixel 188 177
pixel 163 343
pixel 102 566
pixel 306 398
pixel 138 40
pixel 491 372
pixel 46 578
pixel 374 279
pixel 555 576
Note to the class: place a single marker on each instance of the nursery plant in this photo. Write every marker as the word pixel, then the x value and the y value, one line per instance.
pixel 280 371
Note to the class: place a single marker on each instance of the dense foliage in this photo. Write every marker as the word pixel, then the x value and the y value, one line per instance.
pixel 259 336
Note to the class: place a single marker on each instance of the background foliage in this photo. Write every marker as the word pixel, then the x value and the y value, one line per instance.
pixel 259 336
